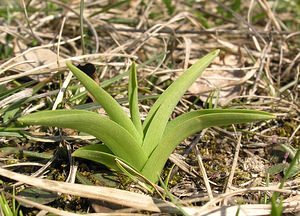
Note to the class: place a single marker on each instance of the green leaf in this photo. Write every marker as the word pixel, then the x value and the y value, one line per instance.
pixel 114 136
pixel 288 149
pixel 189 123
pixel 157 119
pixel 169 6
pixel 18 150
pixel 275 169
pixel 4 93
pixel 99 154
pixel 38 195
pixel 107 7
pixel 5 206
pixel 82 179
pixel 277 207
pixel 107 178
pixel 109 104
pixel 133 100
pixel 292 153
pixel 293 169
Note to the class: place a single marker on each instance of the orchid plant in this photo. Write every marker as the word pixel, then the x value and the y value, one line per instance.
pixel 143 145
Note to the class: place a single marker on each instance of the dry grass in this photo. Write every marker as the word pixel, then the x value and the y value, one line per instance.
pixel 221 169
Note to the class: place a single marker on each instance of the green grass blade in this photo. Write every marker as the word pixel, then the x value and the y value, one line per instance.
pixel 293 168
pixel 109 104
pixel 109 6
pixel 133 100
pixel 15 211
pixel 114 136
pixel 4 205
pixel 99 154
pixel 172 198
pixel 277 207
pixel 7 92
pixel 190 123
pixel 159 114
pixel 81 27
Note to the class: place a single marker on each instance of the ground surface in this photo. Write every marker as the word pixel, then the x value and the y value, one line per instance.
pixel 258 68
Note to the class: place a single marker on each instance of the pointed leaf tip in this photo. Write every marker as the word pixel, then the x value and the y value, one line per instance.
pixel 161 110
pixel 109 104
